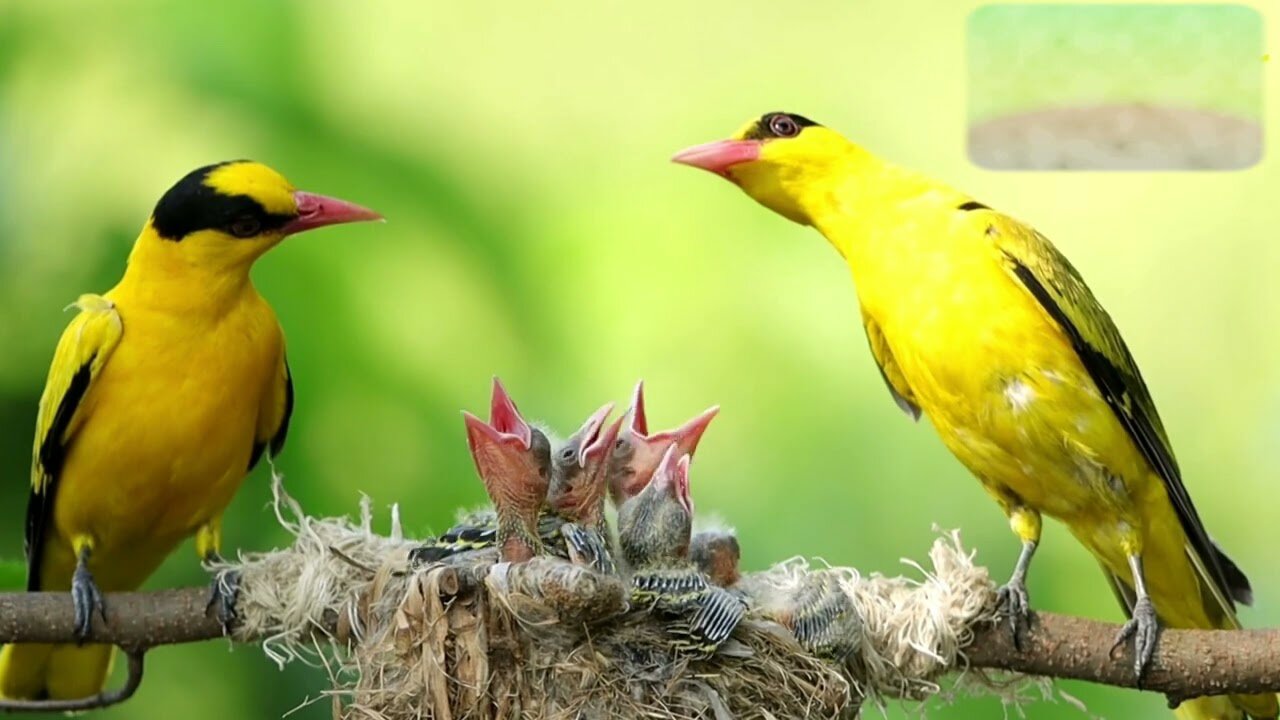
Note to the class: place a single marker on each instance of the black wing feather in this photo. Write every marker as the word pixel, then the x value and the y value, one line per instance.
pixel 276 443
pixel 911 409
pixel 277 440
pixel 1127 395
pixel 53 452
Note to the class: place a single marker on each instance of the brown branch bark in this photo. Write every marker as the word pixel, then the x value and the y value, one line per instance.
pixel 135 621
pixel 1187 663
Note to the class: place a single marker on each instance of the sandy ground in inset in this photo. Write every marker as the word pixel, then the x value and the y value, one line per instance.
pixel 1116 137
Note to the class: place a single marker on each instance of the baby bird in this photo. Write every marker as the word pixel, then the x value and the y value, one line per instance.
pixel 815 608
pixel 716 553
pixel 571 466
pixel 578 471
pixel 636 453
pixel 577 495
pixel 514 461
pixel 654 528
pixel 635 456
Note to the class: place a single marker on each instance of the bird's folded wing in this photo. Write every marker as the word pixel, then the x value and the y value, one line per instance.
pixel 273 420
pixel 82 352
pixel 588 547
pixel 889 370
pixel 718 612
pixel 1038 266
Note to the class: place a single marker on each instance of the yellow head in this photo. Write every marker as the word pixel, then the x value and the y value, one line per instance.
pixel 225 216
pixel 786 162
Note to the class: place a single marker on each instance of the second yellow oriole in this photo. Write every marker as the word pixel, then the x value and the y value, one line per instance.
pixel 978 322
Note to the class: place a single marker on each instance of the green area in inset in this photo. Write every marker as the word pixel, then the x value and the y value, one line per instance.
pixel 1027 57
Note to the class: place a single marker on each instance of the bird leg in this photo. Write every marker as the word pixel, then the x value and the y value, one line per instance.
pixel 1012 599
pixel 86 596
pixel 1143 626
pixel 224 591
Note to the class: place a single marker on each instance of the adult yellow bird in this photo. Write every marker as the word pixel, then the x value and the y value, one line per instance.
pixel 977 321
pixel 162 395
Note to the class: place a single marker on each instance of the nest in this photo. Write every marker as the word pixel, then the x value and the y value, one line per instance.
pixel 476 638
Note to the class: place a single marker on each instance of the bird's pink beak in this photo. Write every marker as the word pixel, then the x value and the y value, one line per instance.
pixel 719 156
pixel 672 478
pixel 650 450
pixel 682 483
pixel 316 211
pixel 594 457
pixel 506 427
pixel 590 431
pixel 686 436
pixel 639 422
pixel 504 416
pixel 501 449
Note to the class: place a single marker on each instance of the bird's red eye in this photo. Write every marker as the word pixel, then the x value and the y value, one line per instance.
pixel 245 227
pixel 783 126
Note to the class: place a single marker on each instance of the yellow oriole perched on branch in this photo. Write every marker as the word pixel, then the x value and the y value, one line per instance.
pixel 162 395
pixel 978 322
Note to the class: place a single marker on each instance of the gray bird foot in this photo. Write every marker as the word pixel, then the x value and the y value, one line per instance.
pixel 223 593
pixel 87 598
pixel 1144 628
pixel 1013 603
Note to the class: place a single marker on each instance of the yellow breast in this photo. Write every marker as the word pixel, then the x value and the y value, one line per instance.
pixel 168 431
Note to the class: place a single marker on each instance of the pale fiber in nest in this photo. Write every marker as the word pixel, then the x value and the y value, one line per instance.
pixel 479 639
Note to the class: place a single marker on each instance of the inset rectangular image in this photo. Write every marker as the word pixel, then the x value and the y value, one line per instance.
pixel 1115 87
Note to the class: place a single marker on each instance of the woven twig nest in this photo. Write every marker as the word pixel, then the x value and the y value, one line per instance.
pixel 475 638
pixel 546 639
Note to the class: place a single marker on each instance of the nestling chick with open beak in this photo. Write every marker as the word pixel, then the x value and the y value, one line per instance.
pixel 514 461
pixel 579 471
pixel 636 453
pixel 579 479
pixel 576 488
pixel 654 529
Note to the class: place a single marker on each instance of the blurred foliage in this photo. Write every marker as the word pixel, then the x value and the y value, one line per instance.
pixel 13 575
pixel 536 231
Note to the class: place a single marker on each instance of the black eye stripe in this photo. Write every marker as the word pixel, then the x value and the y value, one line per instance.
pixel 191 205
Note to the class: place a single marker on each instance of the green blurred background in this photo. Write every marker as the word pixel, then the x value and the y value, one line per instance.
pixel 536 231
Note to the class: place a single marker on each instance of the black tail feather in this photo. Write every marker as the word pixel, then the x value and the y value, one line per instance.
pixel 1237 583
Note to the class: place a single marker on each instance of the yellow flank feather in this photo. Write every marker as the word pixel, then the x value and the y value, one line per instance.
pixel 977 321
pixel 161 396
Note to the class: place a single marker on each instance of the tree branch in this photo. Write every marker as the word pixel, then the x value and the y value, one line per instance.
pixel 1187 663
pixel 135 621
